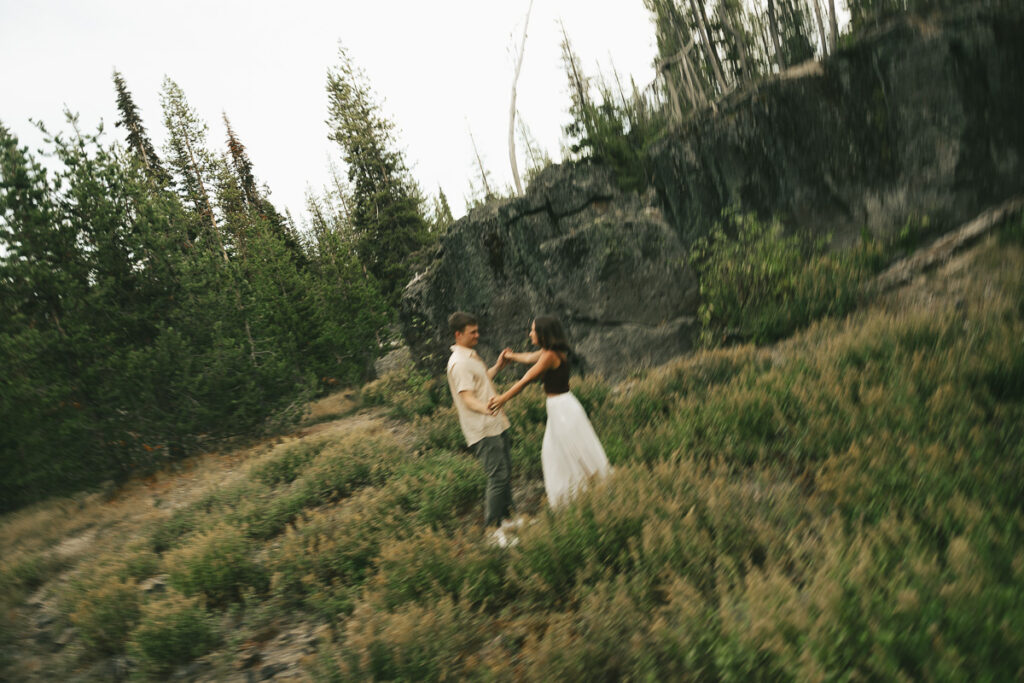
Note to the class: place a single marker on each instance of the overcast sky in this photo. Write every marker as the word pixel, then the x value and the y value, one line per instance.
pixel 436 65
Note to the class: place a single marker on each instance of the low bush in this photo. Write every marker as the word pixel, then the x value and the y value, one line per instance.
pixel 408 392
pixel 171 631
pixel 760 284
pixel 217 564
pixel 285 464
pixel 105 612
pixel 413 643
pixel 432 565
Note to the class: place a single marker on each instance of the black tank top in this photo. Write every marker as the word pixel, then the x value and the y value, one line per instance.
pixel 556 380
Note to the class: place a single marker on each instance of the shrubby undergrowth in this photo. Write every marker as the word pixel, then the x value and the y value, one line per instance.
pixel 843 503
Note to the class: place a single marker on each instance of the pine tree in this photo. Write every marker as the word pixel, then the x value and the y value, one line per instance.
pixel 138 140
pixel 442 217
pixel 257 205
pixel 386 214
pixel 195 168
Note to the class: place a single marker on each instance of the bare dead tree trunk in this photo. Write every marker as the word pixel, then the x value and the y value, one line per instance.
pixel 833 25
pixel 512 107
pixel 693 76
pixel 673 95
pixel 774 27
pixel 709 47
pixel 480 163
pixel 821 27
pixel 741 45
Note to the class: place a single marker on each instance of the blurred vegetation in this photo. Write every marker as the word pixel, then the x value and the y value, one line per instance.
pixel 843 502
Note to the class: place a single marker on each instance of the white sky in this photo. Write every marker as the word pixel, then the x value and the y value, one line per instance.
pixel 435 65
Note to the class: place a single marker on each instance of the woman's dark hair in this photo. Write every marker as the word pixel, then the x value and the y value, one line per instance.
pixel 551 335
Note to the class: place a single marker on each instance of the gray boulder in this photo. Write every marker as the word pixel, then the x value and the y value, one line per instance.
pixel 606 262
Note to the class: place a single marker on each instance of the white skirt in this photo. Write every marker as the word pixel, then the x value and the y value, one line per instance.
pixel 571 454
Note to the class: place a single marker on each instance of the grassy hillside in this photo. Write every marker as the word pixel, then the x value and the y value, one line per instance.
pixel 842 504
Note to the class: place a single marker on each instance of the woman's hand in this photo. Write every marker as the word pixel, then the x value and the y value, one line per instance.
pixel 496 402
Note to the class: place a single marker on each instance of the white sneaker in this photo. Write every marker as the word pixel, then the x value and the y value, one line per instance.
pixel 516 523
pixel 501 540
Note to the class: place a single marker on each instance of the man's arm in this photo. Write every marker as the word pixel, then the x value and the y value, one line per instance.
pixel 468 397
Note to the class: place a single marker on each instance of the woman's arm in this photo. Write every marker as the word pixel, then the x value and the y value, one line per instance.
pixel 545 361
pixel 526 357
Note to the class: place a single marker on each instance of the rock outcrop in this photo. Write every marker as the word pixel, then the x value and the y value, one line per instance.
pixel 925 117
pixel 575 246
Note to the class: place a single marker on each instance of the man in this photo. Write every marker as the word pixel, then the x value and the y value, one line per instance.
pixel 469 379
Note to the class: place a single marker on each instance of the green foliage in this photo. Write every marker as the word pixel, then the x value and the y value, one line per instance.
pixel 413 643
pixel 758 283
pixel 137 328
pixel 844 502
pixel 387 219
pixel 217 564
pixel 407 392
pixel 431 566
pixel 284 467
pixel 867 13
pixel 171 631
pixel 105 613
pixel 618 131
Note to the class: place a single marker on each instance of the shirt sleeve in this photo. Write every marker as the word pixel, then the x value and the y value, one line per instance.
pixel 462 378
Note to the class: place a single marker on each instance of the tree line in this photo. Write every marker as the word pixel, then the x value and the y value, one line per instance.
pixel 153 301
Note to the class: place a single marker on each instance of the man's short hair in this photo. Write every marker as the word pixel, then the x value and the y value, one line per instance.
pixel 458 321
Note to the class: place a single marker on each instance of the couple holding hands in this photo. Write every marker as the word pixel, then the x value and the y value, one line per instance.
pixel 571 453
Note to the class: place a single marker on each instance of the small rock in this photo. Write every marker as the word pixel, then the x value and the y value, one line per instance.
pixel 44 620
pixel 154 584
pixel 271 670
pixel 250 659
pixel 66 636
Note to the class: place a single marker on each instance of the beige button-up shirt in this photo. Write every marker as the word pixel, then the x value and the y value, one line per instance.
pixel 467 370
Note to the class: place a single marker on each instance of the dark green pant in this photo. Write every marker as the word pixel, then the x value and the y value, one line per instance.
pixel 493 454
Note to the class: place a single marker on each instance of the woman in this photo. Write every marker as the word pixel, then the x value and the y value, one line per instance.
pixel 571 453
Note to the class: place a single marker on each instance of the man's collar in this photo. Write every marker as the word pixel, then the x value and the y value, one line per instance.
pixel 463 350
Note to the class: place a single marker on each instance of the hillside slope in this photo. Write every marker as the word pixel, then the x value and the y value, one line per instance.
pixel 843 503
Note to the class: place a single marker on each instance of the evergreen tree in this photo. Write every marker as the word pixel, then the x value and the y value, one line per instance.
pixel 138 140
pixel 195 168
pixel 258 206
pixel 442 217
pixel 386 204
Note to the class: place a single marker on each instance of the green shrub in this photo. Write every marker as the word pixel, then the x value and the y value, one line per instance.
pixel 106 612
pixel 440 487
pixel 439 431
pixel 22 572
pixel 323 563
pixel 408 392
pixel 414 643
pixel 757 283
pixel 204 513
pixel 284 467
pixel 431 565
pixel 172 631
pixel 217 564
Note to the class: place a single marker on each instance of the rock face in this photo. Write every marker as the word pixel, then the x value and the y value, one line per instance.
pixel 607 263
pixel 922 118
